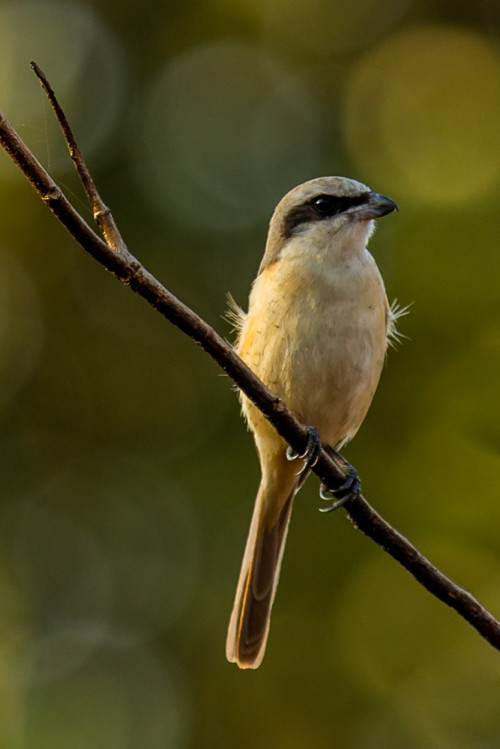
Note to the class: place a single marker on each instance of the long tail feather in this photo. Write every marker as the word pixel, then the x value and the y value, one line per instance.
pixel 249 625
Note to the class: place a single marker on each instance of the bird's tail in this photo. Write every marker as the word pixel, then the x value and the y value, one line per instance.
pixel 249 625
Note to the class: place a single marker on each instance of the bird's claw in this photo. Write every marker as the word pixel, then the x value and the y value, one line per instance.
pixel 311 453
pixel 350 489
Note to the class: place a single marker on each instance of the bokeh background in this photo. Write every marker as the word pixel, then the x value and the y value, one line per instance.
pixel 127 476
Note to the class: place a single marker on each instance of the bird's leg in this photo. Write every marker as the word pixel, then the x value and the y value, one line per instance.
pixel 310 454
pixel 351 487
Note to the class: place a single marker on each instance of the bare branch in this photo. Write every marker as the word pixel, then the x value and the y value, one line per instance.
pixel 116 258
pixel 102 215
pixel 433 580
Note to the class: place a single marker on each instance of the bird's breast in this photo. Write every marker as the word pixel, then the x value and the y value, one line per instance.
pixel 316 334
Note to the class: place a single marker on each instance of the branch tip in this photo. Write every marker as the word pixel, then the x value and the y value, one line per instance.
pixel 102 214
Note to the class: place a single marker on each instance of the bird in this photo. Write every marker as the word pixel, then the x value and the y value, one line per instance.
pixel 316 333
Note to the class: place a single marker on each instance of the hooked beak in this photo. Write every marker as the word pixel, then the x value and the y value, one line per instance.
pixel 375 206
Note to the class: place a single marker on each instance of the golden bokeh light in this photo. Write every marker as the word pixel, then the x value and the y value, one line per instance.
pixel 422 115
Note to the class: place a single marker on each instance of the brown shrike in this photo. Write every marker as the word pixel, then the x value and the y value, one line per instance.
pixel 316 334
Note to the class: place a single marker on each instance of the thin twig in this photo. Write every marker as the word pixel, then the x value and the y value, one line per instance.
pixel 102 214
pixel 128 269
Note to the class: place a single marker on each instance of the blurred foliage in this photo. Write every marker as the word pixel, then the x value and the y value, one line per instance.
pixel 127 474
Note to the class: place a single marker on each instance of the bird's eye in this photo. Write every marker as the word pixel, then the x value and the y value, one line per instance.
pixel 326 205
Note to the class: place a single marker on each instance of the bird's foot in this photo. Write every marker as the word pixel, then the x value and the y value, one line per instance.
pixel 350 489
pixel 311 453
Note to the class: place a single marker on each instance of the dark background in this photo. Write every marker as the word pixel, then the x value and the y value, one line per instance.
pixel 127 475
